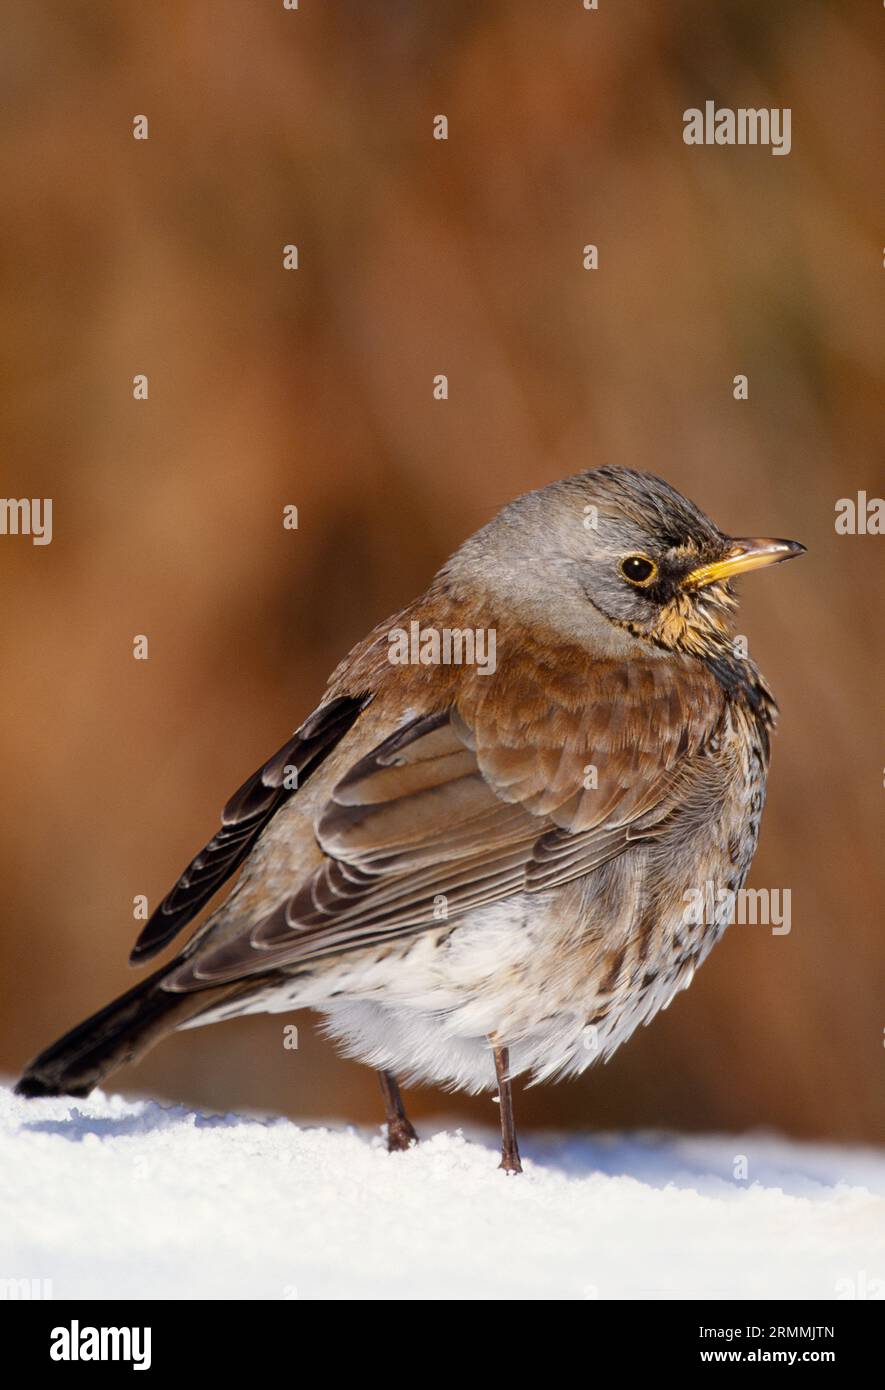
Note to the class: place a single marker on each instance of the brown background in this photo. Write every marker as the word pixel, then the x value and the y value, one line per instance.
pixel 314 388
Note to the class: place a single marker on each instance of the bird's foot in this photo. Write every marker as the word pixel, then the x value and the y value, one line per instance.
pixel 401 1135
pixel 510 1161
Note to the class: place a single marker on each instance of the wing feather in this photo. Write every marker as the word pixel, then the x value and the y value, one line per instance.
pixel 244 817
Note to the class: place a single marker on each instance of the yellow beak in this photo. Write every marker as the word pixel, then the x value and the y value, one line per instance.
pixel 742 556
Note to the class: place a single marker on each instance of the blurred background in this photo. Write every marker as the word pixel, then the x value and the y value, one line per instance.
pixel 313 388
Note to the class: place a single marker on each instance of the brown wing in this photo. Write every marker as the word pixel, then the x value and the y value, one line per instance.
pixel 484 800
pixel 244 817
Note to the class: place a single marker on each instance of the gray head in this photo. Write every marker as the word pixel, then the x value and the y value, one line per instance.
pixel 612 548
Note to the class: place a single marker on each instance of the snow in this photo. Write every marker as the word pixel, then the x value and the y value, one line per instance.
pixel 110 1197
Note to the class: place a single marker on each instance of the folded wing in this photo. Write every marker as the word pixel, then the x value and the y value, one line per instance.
pixel 483 800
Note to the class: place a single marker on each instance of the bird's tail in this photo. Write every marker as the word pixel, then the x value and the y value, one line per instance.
pixel 122 1031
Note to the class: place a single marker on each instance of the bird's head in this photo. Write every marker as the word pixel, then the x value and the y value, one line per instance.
pixel 620 547
pixel 657 565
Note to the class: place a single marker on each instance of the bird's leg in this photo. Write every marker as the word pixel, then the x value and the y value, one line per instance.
pixel 400 1132
pixel 509 1147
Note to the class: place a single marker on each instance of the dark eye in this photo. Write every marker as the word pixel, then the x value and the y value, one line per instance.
pixel 638 569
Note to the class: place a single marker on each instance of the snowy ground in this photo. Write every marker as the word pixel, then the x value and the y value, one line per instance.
pixel 133 1199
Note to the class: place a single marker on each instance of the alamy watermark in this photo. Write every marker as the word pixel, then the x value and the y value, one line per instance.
pixel 76 1343
pixel 25 1289
pixel 742 126
pixel 709 906
pixel 27 516
pixel 860 516
pixel 447 646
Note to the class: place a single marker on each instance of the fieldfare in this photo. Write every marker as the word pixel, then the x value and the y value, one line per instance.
pixel 476 869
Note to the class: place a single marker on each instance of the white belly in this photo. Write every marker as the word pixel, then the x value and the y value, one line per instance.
pixel 425 1007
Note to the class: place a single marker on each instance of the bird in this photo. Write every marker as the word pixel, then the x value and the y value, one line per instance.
pixel 476 870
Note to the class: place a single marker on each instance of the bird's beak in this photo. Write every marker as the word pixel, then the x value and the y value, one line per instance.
pixel 743 555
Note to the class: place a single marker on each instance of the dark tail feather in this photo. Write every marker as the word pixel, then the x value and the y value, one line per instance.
pixel 122 1031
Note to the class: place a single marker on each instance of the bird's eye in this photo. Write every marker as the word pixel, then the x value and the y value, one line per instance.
pixel 638 569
